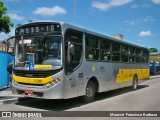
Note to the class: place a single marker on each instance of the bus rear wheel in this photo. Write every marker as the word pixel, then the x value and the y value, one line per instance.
pixel 135 83
pixel 90 92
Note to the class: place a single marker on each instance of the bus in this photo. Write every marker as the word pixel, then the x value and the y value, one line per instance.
pixel 56 60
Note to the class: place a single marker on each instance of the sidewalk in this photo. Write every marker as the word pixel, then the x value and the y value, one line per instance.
pixel 6 96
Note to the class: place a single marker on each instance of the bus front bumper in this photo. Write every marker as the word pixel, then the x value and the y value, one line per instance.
pixel 53 92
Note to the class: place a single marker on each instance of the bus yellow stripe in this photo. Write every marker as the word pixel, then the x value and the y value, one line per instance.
pixel 32 80
pixel 128 74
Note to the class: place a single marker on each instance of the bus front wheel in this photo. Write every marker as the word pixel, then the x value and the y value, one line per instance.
pixel 135 83
pixel 90 92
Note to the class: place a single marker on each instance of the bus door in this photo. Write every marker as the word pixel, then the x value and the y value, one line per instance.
pixel 73 62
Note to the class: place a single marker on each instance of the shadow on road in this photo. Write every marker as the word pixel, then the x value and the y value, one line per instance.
pixel 117 92
pixel 61 105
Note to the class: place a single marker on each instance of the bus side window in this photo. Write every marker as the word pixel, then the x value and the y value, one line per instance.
pixel 131 54
pixel 124 53
pixel 105 53
pixel 145 56
pixel 138 55
pixel 92 47
pixel 115 52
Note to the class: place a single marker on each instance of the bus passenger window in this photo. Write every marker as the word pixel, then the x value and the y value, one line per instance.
pixel 131 54
pixel 124 53
pixel 92 48
pixel 105 53
pixel 138 55
pixel 115 52
pixel 145 55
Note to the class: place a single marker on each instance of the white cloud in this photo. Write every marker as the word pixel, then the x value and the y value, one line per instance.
pixel 145 5
pixel 46 11
pixel 6 36
pixel 149 19
pixel 15 16
pixel 100 5
pixel 130 22
pixel 139 21
pixel 109 4
pixel 156 1
pixel 145 33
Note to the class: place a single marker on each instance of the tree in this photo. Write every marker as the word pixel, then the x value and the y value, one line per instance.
pixel 5 22
pixel 151 50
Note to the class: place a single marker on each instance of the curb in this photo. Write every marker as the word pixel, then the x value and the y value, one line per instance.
pixel 14 100
pixel 3 88
pixel 152 77
pixel 9 101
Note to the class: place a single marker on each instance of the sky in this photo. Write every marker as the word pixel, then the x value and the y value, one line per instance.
pixel 137 20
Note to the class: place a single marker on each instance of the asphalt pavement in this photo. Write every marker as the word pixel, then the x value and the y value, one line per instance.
pixel 6 96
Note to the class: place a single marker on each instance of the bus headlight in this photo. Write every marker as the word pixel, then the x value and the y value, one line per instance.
pixel 55 81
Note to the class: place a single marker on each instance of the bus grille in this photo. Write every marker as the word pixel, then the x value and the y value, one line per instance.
pixel 31 74
pixel 34 85
pixel 35 73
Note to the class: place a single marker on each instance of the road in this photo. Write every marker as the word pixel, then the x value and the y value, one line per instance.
pixel 146 98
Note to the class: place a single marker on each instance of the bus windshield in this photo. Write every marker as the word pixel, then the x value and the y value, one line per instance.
pixel 39 51
pixel 52 51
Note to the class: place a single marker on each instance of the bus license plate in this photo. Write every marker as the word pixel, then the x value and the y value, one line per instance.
pixel 28 92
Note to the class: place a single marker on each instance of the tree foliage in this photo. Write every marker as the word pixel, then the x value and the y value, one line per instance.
pixel 152 50
pixel 5 22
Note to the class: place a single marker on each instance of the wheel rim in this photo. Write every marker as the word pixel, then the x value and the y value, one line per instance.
pixel 89 92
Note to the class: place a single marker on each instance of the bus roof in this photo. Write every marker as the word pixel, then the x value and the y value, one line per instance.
pixel 67 25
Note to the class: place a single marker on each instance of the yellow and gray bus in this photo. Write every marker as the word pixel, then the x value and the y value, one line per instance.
pixel 55 60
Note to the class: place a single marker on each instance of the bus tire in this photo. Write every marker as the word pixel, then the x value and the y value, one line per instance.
pixel 90 92
pixel 135 82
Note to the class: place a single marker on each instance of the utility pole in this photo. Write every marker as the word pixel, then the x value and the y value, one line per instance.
pixel 74 11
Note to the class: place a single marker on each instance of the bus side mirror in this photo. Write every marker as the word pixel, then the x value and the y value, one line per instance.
pixel 9 68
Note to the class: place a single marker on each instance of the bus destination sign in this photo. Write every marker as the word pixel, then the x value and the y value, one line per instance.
pixel 38 29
